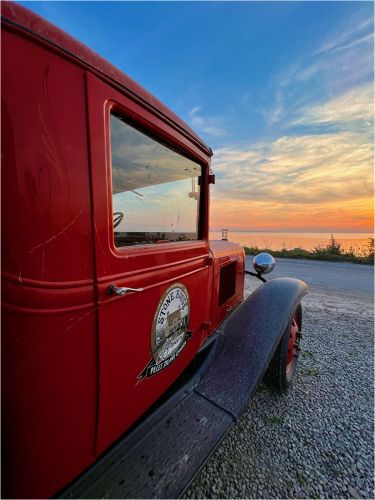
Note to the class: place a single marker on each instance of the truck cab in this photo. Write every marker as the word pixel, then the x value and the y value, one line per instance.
pixel 110 285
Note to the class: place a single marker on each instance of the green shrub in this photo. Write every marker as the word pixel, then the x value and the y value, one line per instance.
pixel 333 251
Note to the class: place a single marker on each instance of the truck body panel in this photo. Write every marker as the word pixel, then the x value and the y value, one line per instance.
pixel 49 365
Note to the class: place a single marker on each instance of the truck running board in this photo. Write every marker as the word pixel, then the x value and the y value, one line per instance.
pixel 159 457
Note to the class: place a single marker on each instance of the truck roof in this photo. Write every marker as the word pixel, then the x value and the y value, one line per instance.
pixel 30 22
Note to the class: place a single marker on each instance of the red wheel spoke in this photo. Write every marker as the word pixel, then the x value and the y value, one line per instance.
pixel 292 351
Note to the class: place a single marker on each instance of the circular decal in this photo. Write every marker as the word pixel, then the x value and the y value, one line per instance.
pixel 170 323
pixel 169 334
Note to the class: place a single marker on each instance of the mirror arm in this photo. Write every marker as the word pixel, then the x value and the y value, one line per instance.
pixel 257 275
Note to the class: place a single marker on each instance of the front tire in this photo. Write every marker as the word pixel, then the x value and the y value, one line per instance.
pixel 282 367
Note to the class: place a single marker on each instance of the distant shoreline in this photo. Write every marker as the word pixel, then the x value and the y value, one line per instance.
pixel 356 244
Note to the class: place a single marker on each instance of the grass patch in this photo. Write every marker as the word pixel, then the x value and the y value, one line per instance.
pixel 302 481
pixel 335 472
pixel 222 494
pixel 313 372
pixel 274 420
pixel 307 354
pixel 333 251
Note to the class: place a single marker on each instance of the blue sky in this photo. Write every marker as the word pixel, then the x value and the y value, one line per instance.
pixel 282 91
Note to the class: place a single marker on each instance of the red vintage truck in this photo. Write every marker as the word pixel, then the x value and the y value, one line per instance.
pixel 128 350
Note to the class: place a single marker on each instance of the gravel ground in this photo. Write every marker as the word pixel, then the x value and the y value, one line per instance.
pixel 316 441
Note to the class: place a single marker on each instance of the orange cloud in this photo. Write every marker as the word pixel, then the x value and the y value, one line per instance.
pixel 268 216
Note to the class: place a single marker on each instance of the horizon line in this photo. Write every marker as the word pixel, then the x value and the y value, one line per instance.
pixel 288 231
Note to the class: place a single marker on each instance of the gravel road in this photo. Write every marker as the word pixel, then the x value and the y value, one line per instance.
pixel 316 441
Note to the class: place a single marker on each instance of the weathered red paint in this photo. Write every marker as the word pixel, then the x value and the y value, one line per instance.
pixel 71 353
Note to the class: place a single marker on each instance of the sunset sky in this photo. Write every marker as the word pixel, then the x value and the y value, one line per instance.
pixel 282 92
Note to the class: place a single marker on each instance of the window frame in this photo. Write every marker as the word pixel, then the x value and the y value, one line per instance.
pixel 152 131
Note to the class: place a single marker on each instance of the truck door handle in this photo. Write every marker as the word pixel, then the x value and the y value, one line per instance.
pixel 116 290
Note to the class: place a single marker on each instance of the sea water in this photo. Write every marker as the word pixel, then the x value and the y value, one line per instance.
pixel 277 240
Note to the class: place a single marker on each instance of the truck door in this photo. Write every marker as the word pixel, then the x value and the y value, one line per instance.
pixel 151 254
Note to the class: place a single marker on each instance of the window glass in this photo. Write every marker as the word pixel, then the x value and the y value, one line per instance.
pixel 155 189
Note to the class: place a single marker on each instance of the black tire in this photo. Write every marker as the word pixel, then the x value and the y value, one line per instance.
pixel 280 373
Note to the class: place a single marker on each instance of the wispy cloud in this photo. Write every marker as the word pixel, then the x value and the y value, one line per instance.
pixel 354 106
pixel 341 63
pixel 305 169
pixel 365 39
pixel 349 38
pixel 278 112
pixel 210 125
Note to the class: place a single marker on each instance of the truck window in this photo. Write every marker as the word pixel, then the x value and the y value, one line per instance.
pixel 155 190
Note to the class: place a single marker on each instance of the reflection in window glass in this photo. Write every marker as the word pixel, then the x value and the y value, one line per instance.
pixel 155 189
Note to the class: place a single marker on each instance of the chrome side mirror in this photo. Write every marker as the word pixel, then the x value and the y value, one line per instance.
pixel 263 263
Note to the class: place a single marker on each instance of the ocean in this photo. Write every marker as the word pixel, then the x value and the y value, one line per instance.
pixel 275 241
